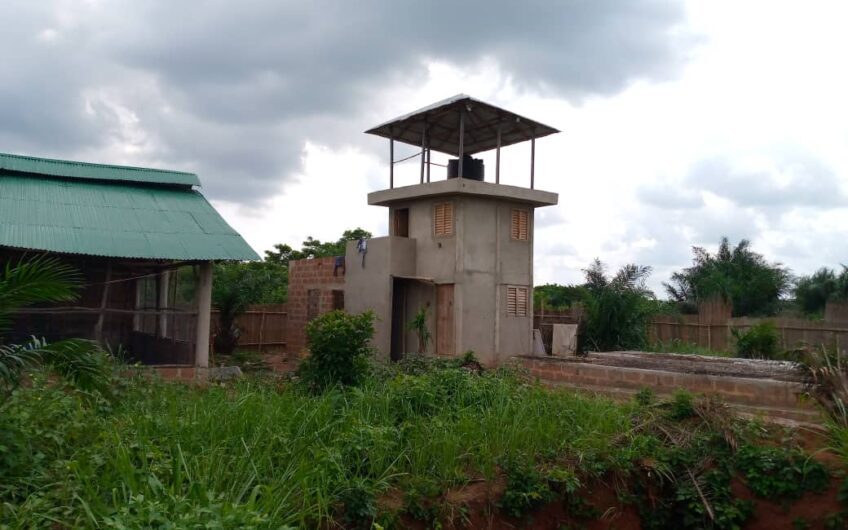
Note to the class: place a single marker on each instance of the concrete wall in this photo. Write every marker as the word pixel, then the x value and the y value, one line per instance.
pixel 369 287
pixel 481 259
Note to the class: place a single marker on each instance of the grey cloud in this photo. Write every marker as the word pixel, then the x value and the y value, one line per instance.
pixel 810 183
pixel 232 90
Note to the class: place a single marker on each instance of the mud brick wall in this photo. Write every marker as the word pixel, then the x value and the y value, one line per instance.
pixel 311 293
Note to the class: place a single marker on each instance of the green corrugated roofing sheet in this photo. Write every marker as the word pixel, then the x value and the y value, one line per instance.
pixel 115 219
pixel 85 170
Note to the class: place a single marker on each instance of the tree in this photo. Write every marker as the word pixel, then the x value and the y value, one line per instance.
pixel 743 277
pixel 618 308
pixel 554 296
pixel 314 248
pixel 239 285
pixel 45 280
pixel 814 291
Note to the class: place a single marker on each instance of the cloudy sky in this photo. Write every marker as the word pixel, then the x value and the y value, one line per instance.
pixel 682 121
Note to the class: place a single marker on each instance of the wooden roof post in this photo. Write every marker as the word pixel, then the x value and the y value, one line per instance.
pixel 163 302
pixel 204 316
pixel 104 299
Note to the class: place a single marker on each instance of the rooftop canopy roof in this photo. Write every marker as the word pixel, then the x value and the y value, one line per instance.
pixel 481 121
pixel 111 211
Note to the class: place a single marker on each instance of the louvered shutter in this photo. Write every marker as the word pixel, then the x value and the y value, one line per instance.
pixel 519 229
pixel 517 301
pixel 443 219
pixel 511 302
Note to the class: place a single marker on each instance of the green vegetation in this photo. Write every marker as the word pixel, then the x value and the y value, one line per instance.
pixel 37 280
pixel 753 285
pixel 760 341
pixel 263 453
pixel 618 308
pixel 418 325
pixel 814 291
pixel 339 349
pixel 239 285
pixel 554 296
pixel 683 347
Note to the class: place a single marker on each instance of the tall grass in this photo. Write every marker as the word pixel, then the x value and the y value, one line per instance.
pixel 258 454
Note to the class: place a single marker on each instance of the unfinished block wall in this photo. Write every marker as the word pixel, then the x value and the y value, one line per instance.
pixel 313 290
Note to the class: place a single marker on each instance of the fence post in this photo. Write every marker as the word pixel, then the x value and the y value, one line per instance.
pixel 262 328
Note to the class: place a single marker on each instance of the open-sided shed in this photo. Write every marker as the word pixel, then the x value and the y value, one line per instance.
pixel 145 241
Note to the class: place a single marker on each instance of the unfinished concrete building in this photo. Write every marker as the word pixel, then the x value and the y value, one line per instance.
pixel 459 248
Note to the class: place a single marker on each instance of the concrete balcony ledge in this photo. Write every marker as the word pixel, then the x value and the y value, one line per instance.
pixel 460 186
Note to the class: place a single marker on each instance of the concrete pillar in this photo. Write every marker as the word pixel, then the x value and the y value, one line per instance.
pixel 204 314
pixel 164 302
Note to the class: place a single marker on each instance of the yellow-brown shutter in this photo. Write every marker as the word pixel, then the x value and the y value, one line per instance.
pixel 519 228
pixel 517 301
pixel 443 219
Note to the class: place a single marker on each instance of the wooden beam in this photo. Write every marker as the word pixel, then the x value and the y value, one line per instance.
pixel 104 298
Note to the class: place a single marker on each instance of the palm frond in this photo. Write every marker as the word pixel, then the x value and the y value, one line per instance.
pixel 81 362
pixel 14 359
pixel 35 279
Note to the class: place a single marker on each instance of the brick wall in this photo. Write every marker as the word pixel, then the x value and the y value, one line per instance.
pixel 304 276
pixel 763 393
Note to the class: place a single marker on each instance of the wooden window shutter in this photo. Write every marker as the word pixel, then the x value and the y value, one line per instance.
pixel 519 229
pixel 443 219
pixel 517 301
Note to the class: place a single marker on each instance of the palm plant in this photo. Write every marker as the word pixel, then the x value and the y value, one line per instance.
pixel 44 279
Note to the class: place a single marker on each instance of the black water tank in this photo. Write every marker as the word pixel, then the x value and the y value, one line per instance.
pixel 472 168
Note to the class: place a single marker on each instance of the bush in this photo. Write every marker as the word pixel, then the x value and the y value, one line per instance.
pixel 761 341
pixel 339 346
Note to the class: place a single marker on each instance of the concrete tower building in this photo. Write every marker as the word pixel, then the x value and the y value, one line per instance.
pixel 461 249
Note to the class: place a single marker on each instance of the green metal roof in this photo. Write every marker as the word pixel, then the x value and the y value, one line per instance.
pixel 114 219
pixel 85 170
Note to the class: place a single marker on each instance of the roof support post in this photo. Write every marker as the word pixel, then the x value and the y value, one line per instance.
pixel 428 164
pixel 498 158
pixel 461 140
pixel 204 316
pixel 104 299
pixel 391 163
pixel 423 151
pixel 163 302
pixel 532 160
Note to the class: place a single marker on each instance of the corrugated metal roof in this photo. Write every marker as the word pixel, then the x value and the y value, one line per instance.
pixel 115 219
pixel 85 170
pixel 441 121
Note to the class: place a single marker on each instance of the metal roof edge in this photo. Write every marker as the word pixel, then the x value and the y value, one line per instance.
pixel 94 171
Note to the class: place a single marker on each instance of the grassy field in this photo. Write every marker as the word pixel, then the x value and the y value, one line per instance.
pixel 264 453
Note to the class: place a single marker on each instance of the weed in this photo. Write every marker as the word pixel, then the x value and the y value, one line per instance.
pixel 645 397
pixel 681 406
pixel 526 488
pixel 779 473
pixel 760 341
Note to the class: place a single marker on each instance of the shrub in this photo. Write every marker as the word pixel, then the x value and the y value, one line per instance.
pixel 339 346
pixel 526 488
pixel 778 473
pixel 761 341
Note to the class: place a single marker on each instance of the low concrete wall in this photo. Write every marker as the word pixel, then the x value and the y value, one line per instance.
pixel 774 397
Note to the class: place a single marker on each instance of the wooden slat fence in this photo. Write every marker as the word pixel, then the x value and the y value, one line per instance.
pixel 263 328
pixel 718 336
